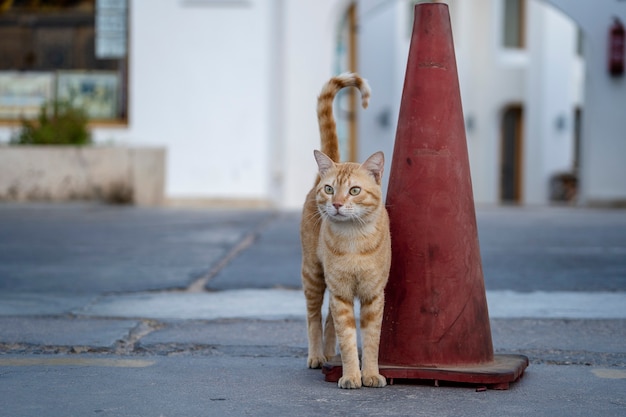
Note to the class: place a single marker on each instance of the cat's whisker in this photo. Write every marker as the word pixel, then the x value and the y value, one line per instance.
pixel 316 215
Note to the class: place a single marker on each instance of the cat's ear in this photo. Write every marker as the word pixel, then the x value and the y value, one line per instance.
pixel 375 165
pixel 324 163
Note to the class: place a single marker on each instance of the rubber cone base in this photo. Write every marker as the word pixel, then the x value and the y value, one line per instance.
pixel 498 374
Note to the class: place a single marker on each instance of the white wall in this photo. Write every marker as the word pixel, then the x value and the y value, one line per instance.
pixel 308 51
pixel 244 92
pixel 491 77
pixel 486 94
pixel 550 100
pixel 542 78
pixel 199 84
pixel 604 122
pixel 384 36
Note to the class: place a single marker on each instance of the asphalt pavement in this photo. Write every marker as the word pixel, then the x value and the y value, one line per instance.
pixel 126 311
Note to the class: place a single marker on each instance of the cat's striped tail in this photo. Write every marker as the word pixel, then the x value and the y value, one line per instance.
pixel 325 118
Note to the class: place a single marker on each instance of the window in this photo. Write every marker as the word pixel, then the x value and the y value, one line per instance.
pixel 579 41
pixel 72 50
pixel 511 154
pixel 513 31
pixel 578 117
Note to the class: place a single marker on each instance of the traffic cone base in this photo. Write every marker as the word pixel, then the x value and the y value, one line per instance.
pixel 497 374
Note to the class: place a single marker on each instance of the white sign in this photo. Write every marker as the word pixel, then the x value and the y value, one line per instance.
pixel 111 29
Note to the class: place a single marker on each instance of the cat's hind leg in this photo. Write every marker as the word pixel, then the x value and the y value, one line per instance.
pixel 330 337
pixel 314 288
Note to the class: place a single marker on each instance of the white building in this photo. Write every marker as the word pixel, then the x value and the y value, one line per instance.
pixel 520 88
pixel 229 87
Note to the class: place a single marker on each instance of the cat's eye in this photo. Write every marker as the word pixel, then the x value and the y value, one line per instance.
pixel 355 190
pixel 328 189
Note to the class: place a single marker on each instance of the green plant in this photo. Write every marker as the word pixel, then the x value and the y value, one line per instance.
pixel 58 123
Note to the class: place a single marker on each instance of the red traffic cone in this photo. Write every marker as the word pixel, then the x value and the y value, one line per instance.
pixel 436 323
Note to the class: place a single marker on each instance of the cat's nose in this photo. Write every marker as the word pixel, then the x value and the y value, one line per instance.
pixel 337 205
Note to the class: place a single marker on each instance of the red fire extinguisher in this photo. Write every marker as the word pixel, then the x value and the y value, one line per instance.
pixel 616 48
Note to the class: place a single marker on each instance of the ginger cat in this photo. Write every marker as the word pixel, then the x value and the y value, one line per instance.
pixel 346 247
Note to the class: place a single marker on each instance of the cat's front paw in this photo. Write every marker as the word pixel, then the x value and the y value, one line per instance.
pixel 350 381
pixel 375 380
pixel 315 362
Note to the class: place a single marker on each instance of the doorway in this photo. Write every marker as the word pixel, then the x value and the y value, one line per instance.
pixel 511 155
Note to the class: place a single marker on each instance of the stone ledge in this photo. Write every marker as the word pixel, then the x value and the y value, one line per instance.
pixel 62 173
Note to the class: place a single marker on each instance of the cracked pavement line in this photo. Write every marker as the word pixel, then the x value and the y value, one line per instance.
pixel 199 285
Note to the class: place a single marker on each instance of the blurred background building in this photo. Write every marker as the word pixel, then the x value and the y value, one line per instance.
pixel 229 88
